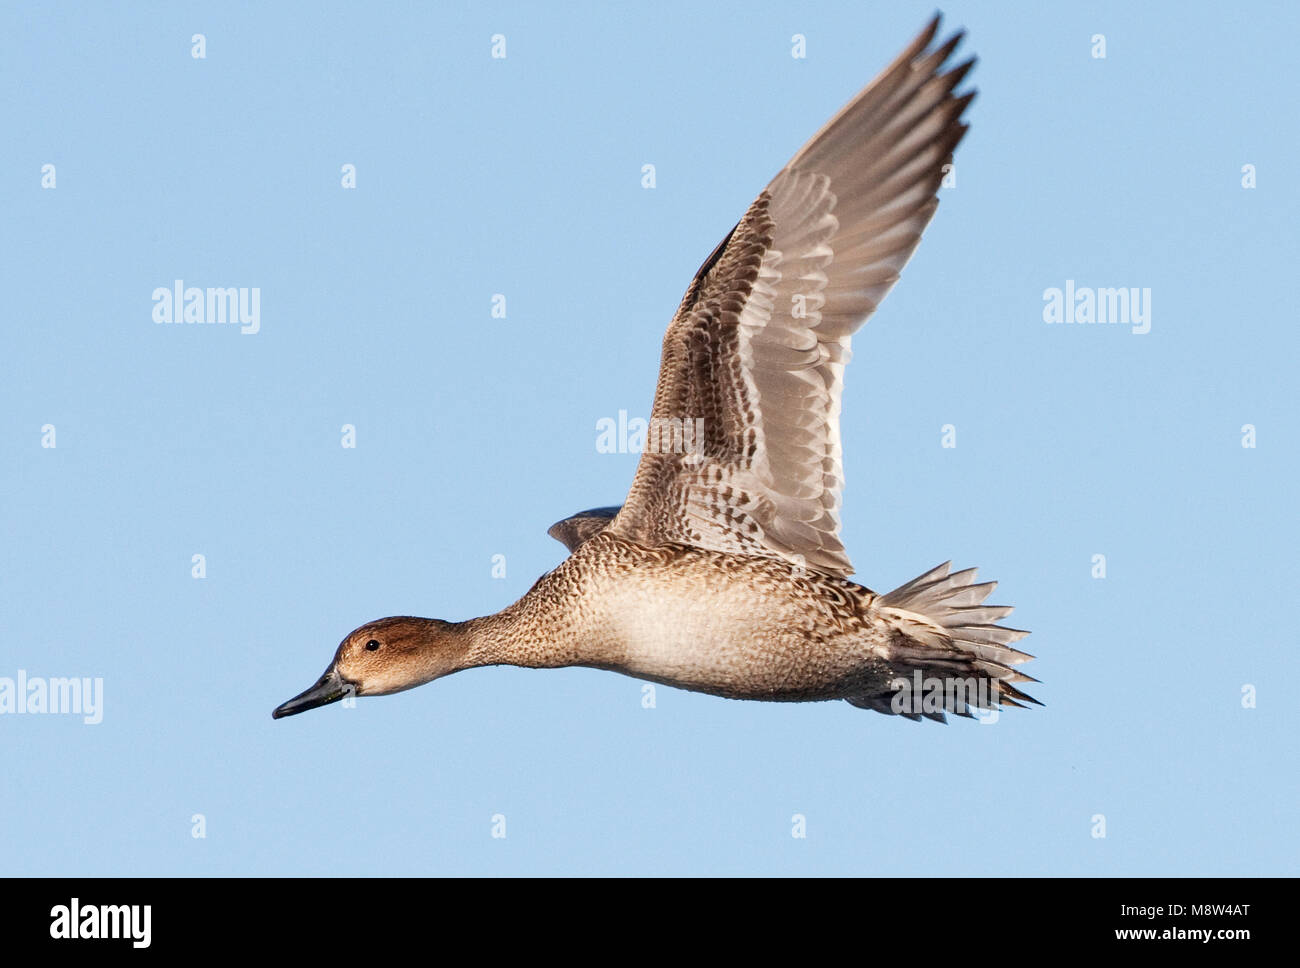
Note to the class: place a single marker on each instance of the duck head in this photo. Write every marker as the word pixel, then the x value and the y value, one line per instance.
pixel 386 656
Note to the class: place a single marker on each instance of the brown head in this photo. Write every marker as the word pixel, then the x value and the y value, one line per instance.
pixel 386 656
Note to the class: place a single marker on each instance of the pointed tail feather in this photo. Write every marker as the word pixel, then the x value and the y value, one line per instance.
pixel 947 653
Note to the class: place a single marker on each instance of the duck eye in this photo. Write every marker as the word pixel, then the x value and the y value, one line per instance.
pixel 372 645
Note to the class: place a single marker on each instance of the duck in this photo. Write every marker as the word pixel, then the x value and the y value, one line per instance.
pixel 723 571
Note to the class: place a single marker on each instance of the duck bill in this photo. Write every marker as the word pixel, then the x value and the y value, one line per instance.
pixel 331 688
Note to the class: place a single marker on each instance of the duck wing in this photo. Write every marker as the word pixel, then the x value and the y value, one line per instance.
pixel 577 528
pixel 743 450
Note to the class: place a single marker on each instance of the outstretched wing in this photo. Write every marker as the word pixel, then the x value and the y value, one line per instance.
pixel 743 451
pixel 577 528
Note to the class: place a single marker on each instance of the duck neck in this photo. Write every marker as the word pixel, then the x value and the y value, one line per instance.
pixel 520 636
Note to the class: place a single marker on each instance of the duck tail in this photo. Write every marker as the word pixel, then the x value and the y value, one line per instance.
pixel 946 651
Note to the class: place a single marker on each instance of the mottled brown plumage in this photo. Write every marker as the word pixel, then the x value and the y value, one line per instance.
pixel 724 572
pixel 756 352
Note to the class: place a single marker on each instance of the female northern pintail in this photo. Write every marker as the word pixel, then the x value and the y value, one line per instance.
pixel 724 572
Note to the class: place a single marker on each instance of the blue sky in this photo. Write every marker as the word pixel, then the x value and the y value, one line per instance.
pixel 522 176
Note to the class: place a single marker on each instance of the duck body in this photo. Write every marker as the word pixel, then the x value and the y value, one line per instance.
pixel 738 626
pixel 753 627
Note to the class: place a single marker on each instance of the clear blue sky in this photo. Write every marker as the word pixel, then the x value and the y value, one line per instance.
pixel 522 176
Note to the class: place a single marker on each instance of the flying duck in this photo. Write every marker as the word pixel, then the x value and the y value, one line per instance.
pixel 723 572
